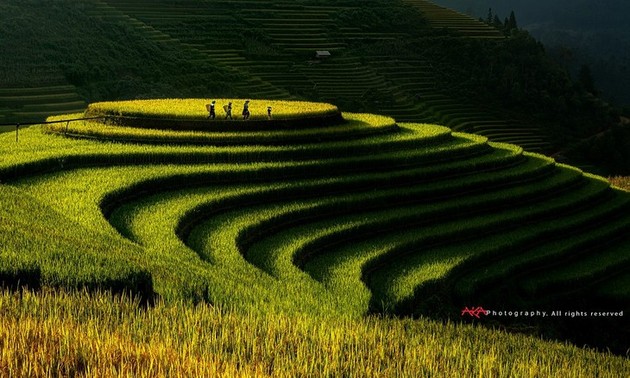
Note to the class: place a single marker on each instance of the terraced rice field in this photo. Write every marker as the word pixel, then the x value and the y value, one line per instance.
pixel 35 104
pixel 269 47
pixel 209 34
pixel 419 97
pixel 344 220
pixel 293 32
pixel 444 18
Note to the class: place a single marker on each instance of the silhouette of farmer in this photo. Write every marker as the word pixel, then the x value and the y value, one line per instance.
pixel 246 110
pixel 210 107
pixel 269 111
pixel 228 110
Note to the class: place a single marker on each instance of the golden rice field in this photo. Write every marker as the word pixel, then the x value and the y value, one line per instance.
pixel 61 334
pixel 196 108
pixel 621 182
pixel 220 132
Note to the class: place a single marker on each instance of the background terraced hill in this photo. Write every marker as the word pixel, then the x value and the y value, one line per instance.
pixel 364 217
pixel 291 32
pixel 412 60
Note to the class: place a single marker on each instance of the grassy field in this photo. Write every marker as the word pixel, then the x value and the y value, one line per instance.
pixel 177 109
pixel 329 229
pixel 78 334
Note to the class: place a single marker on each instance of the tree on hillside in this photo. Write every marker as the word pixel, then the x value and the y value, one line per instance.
pixel 497 22
pixel 506 26
pixel 512 22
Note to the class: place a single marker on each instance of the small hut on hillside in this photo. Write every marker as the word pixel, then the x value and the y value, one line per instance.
pixel 322 54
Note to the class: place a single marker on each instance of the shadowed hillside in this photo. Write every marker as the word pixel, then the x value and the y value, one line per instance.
pixel 410 59
pixel 594 33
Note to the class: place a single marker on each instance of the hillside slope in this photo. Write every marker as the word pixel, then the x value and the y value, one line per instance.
pixel 342 219
pixel 398 58
pixel 50 68
pixel 589 32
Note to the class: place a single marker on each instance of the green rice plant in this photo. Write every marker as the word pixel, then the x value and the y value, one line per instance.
pixel 50 187
pixel 331 210
pixel 384 260
pixel 50 154
pixel 168 207
pixel 226 132
pixel 269 224
pixel 559 250
pixel 415 281
pixel 578 270
pixel 107 179
pixel 37 145
pixel 224 232
pixel 348 220
pixel 230 279
pixel 50 250
pixel 196 108
pixel 513 262
pixel 17 269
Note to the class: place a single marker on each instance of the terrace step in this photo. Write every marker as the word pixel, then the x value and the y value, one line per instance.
pixel 364 219
pixel 485 244
pixel 440 17
pixel 556 255
pixel 576 271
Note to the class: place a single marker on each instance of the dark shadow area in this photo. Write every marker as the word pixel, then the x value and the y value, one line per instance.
pixel 585 320
pixel 137 285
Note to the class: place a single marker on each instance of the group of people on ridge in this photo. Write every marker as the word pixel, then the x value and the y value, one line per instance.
pixel 228 110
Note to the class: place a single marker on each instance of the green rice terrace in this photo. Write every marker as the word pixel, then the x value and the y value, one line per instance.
pixel 391 58
pixel 346 218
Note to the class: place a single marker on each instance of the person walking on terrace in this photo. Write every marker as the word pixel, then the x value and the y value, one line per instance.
pixel 228 110
pixel 269 112
pixel 246 110
pixel 210 107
